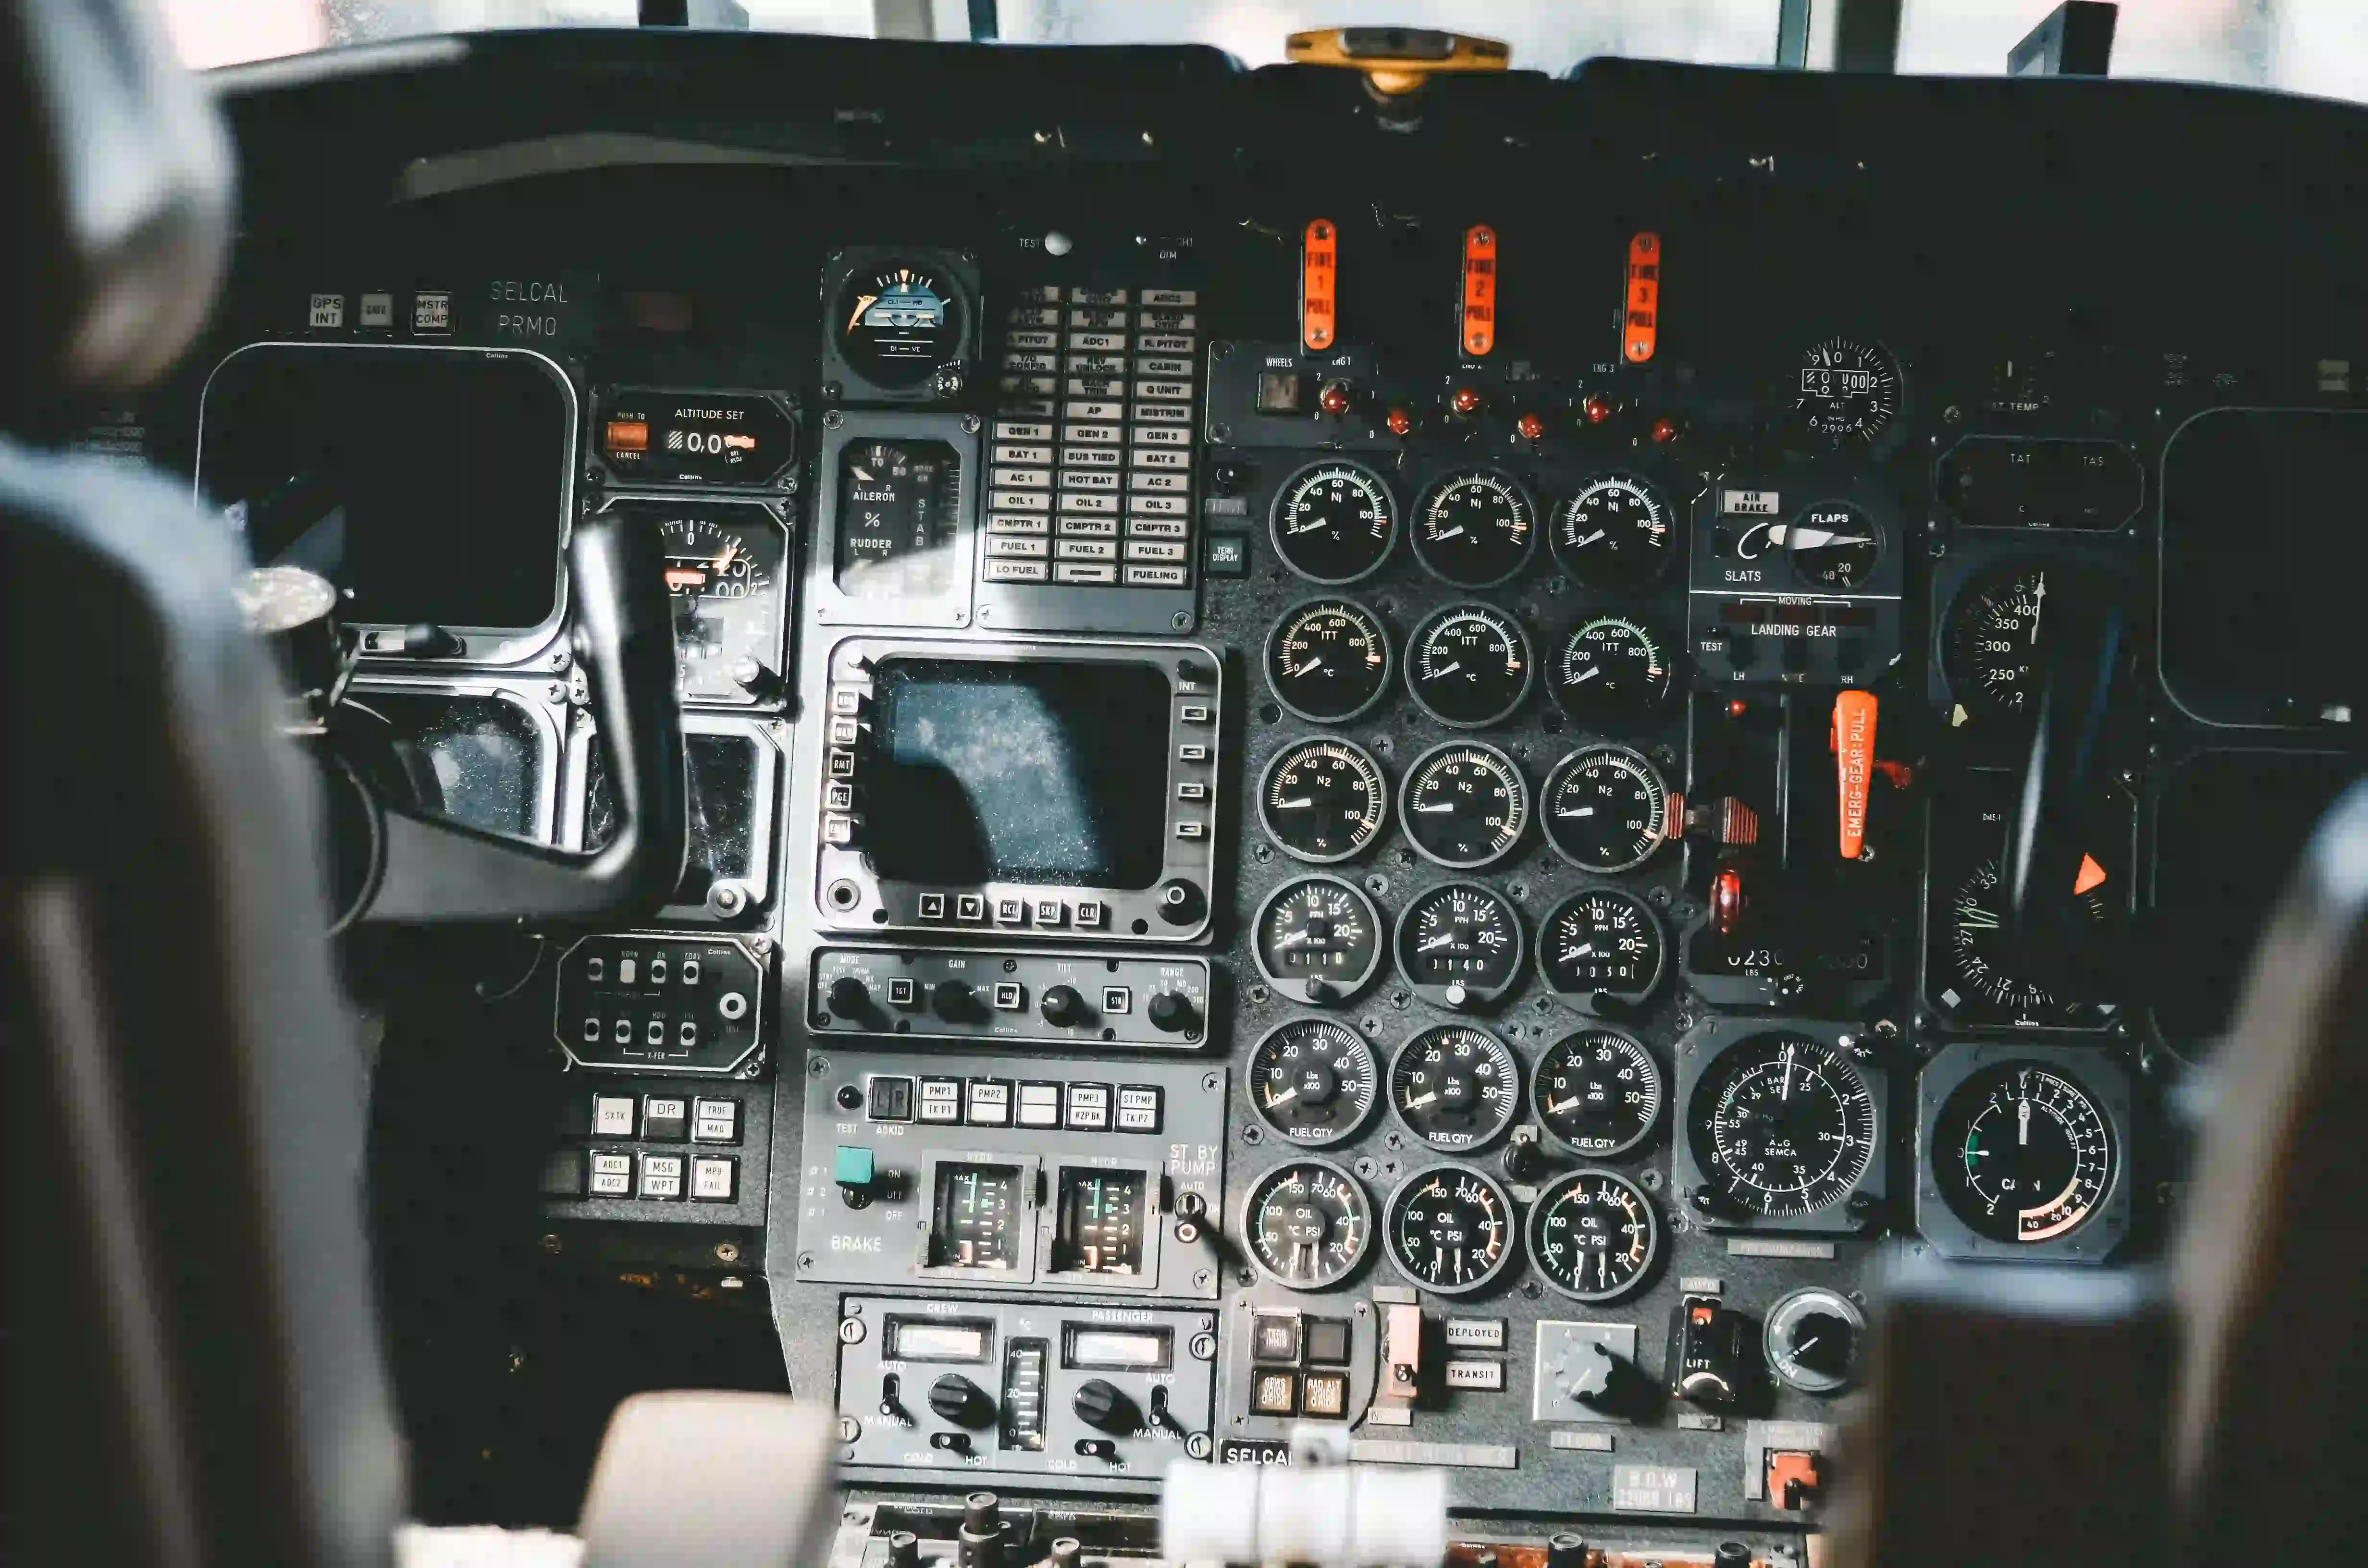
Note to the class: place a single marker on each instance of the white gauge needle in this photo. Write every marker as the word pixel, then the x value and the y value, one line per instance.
pixel 1580 951
pixel 2023 1123
pixel 1422 1101
pixel 1455 532
pixel 2038 603
pixel 1786 1092
pixel 1444 806
pixel 1315 663
pixel 1295 803
pixel 1285 1098
pixel 1312 524
pixel 1589 674
pixel 1442 941
pixel 1449 669
pixel 1590 538
pixel 1297 938
pixel 1803 538
pixel 862 303
pixel 1577 812
pixel 1556 1109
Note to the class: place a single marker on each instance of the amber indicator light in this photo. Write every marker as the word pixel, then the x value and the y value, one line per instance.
pixel 1642 332
pixel 1479 289
pixel 1319 280
pixel 628 435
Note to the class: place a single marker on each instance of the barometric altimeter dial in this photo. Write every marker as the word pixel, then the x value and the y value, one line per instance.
pixel 1469 666
pixel 1329 660
pixel 1593 1234
pixel 1848 392
pixel 1334 522
pixel 1784 1126
pixel 1464 804
pixel 723 573
pixel 1460 944
pixel 1307 1225
pixel 1323 800
pixel 1597 1093
pixel 1317 939
pixel 1614 534
pixel 2023 1152
pixel 1475 530
pixel 1455 1087
pixel 1313 1080
pixel 1450 1229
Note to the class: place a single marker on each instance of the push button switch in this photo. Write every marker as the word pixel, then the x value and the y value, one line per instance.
pixel 612 1176
pixel 612 1116
pixel 715 1121
pixel 665 1119
pixel 713 1179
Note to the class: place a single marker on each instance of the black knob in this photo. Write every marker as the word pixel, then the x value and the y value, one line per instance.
pixel 979 1542
pixel 1069 1552
pixel 1062 1006
pixel 1521 1160
pixel 1822 1342
pixel 983 1511
pixel 1731 1554
pixel 1182 901
pixel 953 999
pixel 1605 1380
pixel 426 640
pixel 848 996
pixel 1169 1011
pixel 956 1399
pixel 904 1550
pixel 1565 1551
pixel 751 677
pixel 1103 1406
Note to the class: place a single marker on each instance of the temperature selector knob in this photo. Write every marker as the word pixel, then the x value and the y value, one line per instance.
pixel 1104 1407
pixel 957 1399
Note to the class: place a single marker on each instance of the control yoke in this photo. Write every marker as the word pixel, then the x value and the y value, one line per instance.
pixel 436 870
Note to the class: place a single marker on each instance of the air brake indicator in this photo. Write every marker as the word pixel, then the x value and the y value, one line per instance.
pixel 1641 334
pixel 1480 290
pixel 1319 277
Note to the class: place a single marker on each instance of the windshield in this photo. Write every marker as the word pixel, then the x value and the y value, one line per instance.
pixel 2306 46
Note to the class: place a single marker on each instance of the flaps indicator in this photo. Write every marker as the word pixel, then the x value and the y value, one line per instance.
pixel 1319 277
pixel 1479 317
pixel 1641 333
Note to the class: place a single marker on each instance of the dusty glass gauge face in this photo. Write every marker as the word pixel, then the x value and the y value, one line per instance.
pixel 1615 533
pixel 1329 660
pixel 1319 940
pixel 1594 1235
pixel 1604 809
pixel 1307 1225
pixel 1784 1126
pixel 1610 672
pixel 1456 1087
pixel 899 504
pixel 1464 804
pixel 1334 522
pixel 1460 944
pixel 1323 800
pixel 1834 545
pixel 1313 1080
pixel 1469 666
pixel 2023 1152
pixel 897 323
pixel 723 573
pixel 1990 650
pixel 1848 392
pixel 1597 1093
pixel 1450 1229
pixel 1475 529
pixel 1602 940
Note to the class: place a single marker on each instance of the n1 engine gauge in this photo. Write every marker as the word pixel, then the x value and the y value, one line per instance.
pixel 1456 1087
pixel 1319 940
pixel 1460 944
pixel 1450 1229
pixel 1323 800
pixel 1597 1093
pixel 1610 673
pixel 1604 809
pixel 1475 530
pixel 1307 1225
pixel 2023 1152
pixel 1593 1234
pixel 1604 941
pixel 1614 534
pixel 1848 392
pixel 1313 1080
pixel 1334 522
pixel 1463 805
pixel 1469 666
pixel 1989 650
pixel 1782 1126
pixel 1834 545
pixel 1329 660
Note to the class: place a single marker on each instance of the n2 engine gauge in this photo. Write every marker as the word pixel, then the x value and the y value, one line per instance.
pixel 1594 1235
pixel 1450 1229
pixel 1614 534
pixel 1313 1080
pixel 1456 1087
pixel 1464 805
pixel 1319 940
pixel 1469 666
pixel 1329 660
pixel 1307 1225
pixel 1597 1093
pixel 1782 1126
pixel 1334 522
pixel 1460 944
pixel 1848 391
pixel 1475 530
pixel 1604 809
pixel 1323 800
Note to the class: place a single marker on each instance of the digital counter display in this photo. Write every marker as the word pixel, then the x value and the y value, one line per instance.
pixel 1112 1349
pixel 936 1339
pixel 705 438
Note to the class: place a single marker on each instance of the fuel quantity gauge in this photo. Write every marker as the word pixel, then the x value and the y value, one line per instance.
pixel 1455 1087
pixel 1313 1080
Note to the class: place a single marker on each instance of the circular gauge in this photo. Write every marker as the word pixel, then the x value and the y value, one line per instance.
pixel 1329 660
pixel 1313 1080
pixel 1464 805
pixel 1605 809
pixel 1812 1337
pixel 1834 545
pixel 1614 534
pixel 1323 800
pixel 1977 975
pixel 1334 522
pixel 1475 530
pixel 724 573
pixel 1603 940
pixel 1319 940
pixel 1783 1125
pixel 1598 1091
pixel 1455 1087
pixel 1450 1229
pixel 1308 1224
pixel 1990 653
pixel 1460 944
pixel 1848 391
pixel 1593 1234
pixel 2023 1152
pixel 1469 666
pixel 1610 671
pixel 898 321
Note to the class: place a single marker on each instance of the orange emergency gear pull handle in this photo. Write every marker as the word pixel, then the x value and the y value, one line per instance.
pixel 1853 744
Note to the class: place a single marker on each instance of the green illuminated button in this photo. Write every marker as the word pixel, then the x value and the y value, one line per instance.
pixel 851 1167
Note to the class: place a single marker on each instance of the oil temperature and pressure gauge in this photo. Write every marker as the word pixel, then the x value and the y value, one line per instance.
pixel 1307 1225
pixel 1593 1234
pixel 1456 1087
pixel 1460 944
pixel 1615 534
pixel 1334 522
pixel 1604 809
pixel 1317 939
pixel 1475 530
pixel 1323 800
pixel 1450 1229
pixel 1313 1080
pixel 1329 660
pixel 1469 666
pixel 1465 805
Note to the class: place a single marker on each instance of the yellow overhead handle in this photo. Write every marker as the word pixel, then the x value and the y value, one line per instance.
pixel 1397 61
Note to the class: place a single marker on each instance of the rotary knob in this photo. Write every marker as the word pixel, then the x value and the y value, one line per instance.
pixel 1169 1011
pixel 1104 1407
pixel 1062 1006
pixel 849 995
pixel 957 1399
pixel 953 1000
